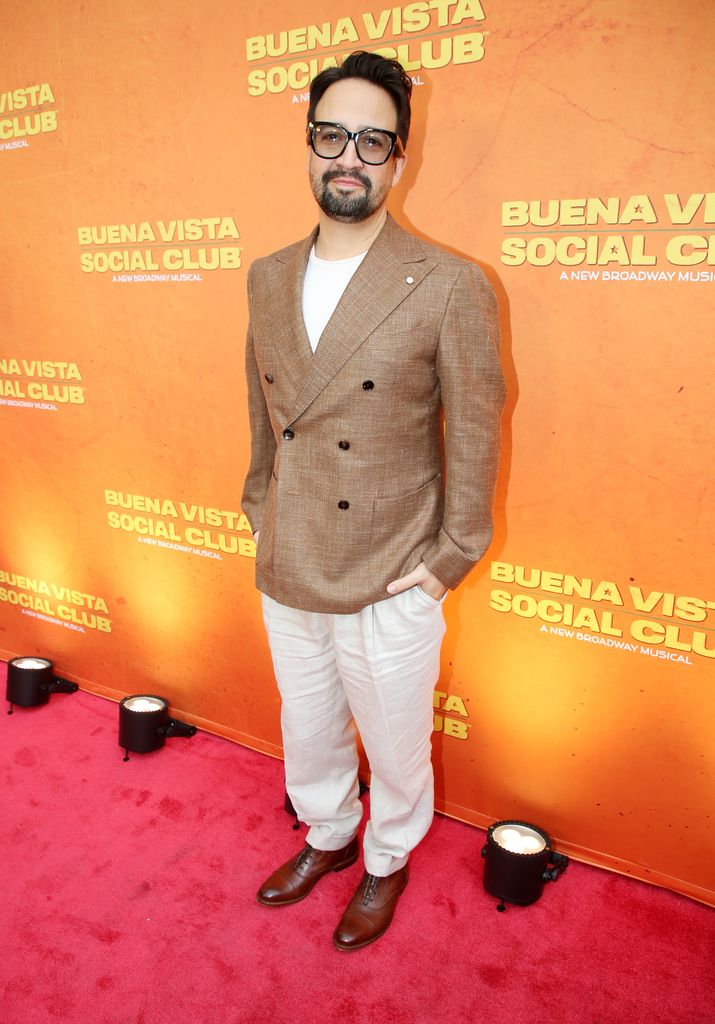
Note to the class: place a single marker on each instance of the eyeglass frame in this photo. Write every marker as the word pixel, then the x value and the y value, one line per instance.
pixel 393 136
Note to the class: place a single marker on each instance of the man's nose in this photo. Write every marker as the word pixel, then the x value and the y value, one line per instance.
pixel 349 158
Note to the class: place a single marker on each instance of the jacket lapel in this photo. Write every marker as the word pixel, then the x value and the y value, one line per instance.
pixel 378 286
pixel 289 336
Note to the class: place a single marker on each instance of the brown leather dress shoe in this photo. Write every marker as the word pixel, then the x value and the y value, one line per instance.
pixel 370 911
pixel 293 880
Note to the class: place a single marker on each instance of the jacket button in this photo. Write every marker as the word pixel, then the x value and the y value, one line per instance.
pixel 288 434
pixel 368 385
pixel 343 445
pixel 343 504
pixel 268 377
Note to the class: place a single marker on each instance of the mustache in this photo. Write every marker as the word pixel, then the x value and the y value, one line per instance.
pixel 354 175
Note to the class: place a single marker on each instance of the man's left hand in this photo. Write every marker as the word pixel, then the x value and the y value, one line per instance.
pixel 422 577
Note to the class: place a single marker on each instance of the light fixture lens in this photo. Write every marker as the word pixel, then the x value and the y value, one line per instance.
pixel 519 839
pixel 31 663
pixel 144 704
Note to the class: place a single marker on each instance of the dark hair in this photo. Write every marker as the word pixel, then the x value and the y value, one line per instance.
pixel 388 74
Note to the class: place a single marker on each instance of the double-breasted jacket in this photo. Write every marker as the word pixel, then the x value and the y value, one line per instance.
pixel 380 450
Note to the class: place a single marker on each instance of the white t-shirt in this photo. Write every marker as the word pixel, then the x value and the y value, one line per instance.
pixel 324 283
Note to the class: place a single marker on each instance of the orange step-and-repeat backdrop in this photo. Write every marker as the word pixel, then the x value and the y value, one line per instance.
pixel 150 152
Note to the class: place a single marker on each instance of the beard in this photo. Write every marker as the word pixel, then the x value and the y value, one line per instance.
pixel 346 208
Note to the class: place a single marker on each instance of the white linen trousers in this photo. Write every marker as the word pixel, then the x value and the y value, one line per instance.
pixel 377 669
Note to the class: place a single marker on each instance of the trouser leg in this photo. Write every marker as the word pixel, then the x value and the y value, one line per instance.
pixel 319 736
pixel 388 660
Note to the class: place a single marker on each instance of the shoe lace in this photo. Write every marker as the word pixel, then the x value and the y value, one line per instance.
pixel 370 888
pixel 304 856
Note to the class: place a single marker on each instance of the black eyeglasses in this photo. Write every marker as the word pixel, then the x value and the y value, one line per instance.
pixel 373 145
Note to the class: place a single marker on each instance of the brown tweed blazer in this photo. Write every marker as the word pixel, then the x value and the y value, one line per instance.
pixel 352 481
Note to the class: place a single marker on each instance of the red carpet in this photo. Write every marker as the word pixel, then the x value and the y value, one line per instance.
pixel 128 898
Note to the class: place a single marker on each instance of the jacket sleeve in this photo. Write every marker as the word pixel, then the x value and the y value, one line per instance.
pixel 473 393
pixel 263 443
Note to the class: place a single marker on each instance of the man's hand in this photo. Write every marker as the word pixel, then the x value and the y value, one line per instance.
pixel 423 577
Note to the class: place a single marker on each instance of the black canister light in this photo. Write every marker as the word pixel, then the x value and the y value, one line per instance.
pixel 144 724
pixel 30 681
pixel 518 861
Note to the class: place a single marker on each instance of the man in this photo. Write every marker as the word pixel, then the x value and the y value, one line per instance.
pixel 365 511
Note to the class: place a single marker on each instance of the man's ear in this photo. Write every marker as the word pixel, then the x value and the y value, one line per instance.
pixel 400 162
